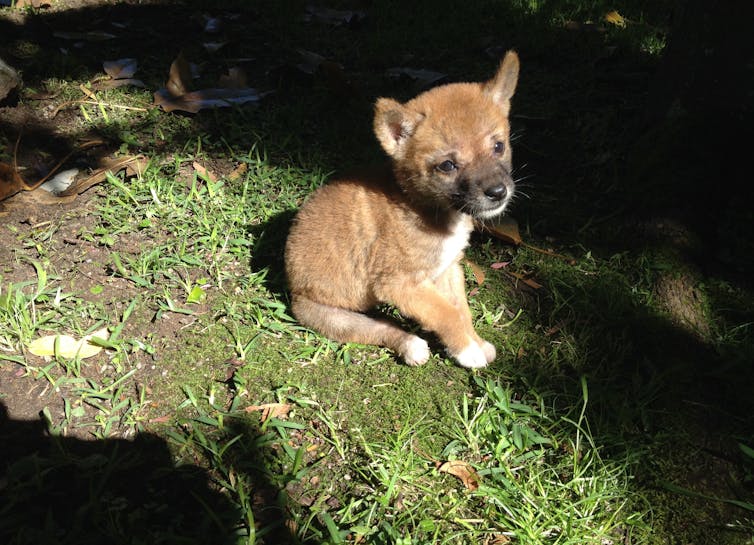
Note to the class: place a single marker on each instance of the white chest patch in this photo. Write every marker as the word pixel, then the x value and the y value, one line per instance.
pixel 454 244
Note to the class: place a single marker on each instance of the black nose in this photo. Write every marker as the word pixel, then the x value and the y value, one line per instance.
pixel 496 193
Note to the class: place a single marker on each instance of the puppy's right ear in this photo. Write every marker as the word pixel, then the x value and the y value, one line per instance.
pixel 394 124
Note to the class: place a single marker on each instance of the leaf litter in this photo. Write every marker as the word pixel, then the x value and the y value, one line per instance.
pixel 177 93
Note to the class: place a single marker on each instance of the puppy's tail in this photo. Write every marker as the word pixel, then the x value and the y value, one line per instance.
pixel 344 325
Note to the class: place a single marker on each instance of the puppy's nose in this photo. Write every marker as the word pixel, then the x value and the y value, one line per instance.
pixel 496 193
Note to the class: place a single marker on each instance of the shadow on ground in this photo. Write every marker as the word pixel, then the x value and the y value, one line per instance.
pixel 122 491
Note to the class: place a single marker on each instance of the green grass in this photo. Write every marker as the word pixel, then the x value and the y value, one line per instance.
pixel 610 416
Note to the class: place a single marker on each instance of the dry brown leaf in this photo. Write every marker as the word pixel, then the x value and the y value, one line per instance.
pixel 121 68
pixel 504 228
pixel 203 172
pixel 533 284
pixel 270 410
pixel 179 79
pixel 206 98
pixel 239 171
pixel 477 271
pixel 133 164
pixel 497 539
pixel 463 470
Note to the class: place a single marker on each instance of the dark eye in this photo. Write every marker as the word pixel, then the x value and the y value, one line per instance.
pixel 446 166
pixel 499 148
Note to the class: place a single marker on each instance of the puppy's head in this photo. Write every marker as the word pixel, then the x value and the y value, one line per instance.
pixel 450 146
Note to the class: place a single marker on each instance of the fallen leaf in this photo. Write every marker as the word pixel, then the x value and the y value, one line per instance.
pixel 463 470
pixel 66 346
pixel 121 68
pixel 179 77
pixel 504 228
pixel 500 265
pixel 238 172
pixel 477 271
pixel 206 98
pixel 134 165
pixel 615 18
pixel 203 173
pixel 270 410
pixel 533 284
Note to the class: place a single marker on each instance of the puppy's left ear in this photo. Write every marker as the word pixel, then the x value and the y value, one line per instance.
pixel 503 85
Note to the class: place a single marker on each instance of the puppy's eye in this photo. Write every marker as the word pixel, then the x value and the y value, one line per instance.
pixel 446 166
pixel 499 148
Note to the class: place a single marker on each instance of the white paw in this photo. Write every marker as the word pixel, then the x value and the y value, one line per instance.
pixel 415 351
pixel 489 351
pixel 472 356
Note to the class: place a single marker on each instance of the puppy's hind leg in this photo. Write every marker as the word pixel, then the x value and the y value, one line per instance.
pixel 344 325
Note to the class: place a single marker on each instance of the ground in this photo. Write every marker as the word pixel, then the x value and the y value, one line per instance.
pixel 619 410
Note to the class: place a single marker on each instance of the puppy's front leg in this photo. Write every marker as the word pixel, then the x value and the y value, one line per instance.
pixel 426 304
pixel 452 284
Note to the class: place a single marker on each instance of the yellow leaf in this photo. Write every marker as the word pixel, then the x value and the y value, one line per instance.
pixel 615 18
pixel 463 470
pixel 67 346
pixel 45 346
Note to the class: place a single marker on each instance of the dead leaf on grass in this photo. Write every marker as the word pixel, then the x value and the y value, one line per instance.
pixel 179 77
pixel 533 284
pixel 204 173
pixel 204 99
pixel 121 72
pixel 504 228
pixel 270 410
pixel 121 68
pixel 477 271
pixel 463 470
pixel 238 172
pixel 615 18
pixel 177 96
pixel 68 347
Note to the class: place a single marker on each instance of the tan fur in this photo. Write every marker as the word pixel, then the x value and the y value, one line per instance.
pixel 398 237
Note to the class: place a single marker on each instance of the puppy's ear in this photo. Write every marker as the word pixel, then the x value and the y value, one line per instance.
pixel 503 85
pixel 394 124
